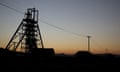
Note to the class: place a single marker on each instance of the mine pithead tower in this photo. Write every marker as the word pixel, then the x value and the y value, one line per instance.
pixel 27 36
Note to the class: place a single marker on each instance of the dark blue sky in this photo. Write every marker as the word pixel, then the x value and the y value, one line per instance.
pixel 98 18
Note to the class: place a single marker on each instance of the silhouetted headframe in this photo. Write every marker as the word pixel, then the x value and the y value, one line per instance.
pixel 27 36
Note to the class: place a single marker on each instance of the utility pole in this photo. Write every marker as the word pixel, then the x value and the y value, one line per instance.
pixel 88 43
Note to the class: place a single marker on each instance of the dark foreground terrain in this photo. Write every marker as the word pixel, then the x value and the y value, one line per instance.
pixel 46 61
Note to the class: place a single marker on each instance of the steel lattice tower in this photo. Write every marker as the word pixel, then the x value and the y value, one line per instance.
pixel 27 36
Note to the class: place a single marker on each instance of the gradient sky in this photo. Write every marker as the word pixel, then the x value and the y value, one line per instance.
pixel 97 18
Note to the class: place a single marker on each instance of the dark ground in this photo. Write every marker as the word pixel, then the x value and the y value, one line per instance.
pixel 49 62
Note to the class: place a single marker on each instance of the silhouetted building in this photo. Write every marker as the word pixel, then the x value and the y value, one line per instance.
pixel 82 53
pixel 44 52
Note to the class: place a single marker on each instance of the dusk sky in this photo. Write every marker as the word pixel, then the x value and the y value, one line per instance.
pixel 98 18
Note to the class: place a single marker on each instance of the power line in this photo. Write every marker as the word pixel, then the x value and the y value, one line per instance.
pixel 44 21
pixel 11 8
pixel 62 29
